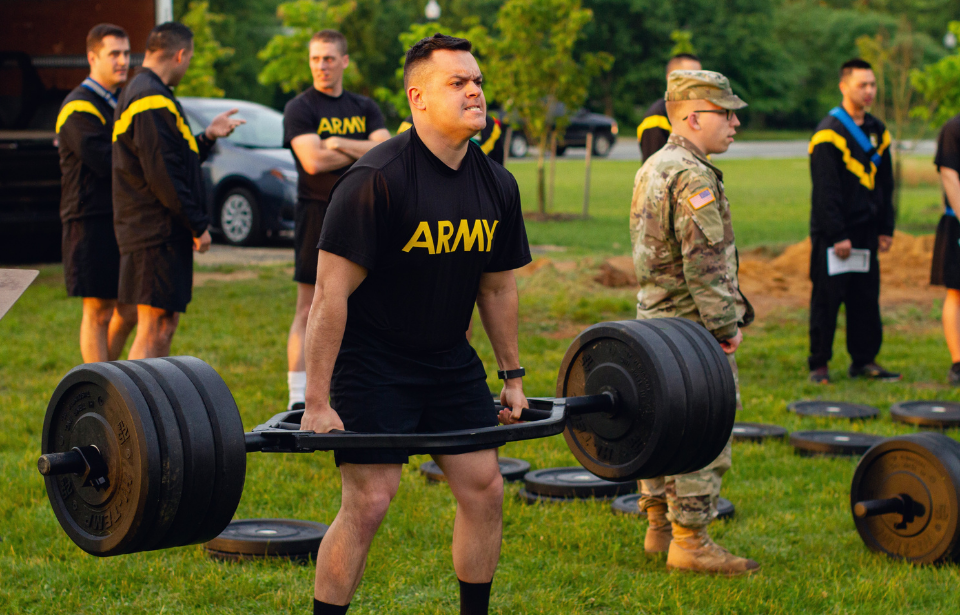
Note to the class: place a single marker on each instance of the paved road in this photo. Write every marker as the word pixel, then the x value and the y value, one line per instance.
pixel 626 149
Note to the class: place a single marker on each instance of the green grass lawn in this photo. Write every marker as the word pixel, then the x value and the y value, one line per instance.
pixel 792 513
pixel 770 200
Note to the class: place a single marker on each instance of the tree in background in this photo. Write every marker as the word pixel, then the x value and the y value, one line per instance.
pixel 201 77
pixel 533 72
pixel 286 53
pixel 938 85
pixel 682 42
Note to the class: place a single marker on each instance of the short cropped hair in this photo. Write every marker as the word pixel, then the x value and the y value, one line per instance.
pixel 331 36
pixel 849 66
pixel 101 31
pixel 421 51
pixel 169 38
pixel 682 56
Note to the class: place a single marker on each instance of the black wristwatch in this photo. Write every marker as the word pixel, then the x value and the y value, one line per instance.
pixel 506 374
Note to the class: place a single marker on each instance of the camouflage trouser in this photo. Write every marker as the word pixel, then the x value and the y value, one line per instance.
pixel 691 498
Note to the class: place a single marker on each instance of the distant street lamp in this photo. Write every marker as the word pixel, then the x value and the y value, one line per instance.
pixel 949 40
pixel 432 10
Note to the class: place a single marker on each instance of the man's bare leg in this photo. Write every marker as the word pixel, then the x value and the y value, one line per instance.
pixel 477 484
pixel 296 341
pixel 155 329
pixel 122 322
pixel 366 494
pixel 94 326
pixel 951 323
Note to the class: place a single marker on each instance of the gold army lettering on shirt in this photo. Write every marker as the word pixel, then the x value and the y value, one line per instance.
pixel 423 236
pixel 342 126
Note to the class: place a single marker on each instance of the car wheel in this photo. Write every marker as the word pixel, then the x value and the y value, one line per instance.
pixel 602 144
pixel 240 218
pixel 518 145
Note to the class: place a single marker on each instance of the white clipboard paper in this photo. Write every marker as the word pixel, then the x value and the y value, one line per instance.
pixel 857 262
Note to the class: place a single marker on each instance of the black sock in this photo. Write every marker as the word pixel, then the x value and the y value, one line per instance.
pixel 474 598
pixel 322 608
pixel 955 368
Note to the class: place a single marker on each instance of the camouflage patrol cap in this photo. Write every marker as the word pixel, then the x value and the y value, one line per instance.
pixel 702 85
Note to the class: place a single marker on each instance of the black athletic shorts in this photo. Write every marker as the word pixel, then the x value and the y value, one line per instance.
pixel 161 276
pixel 308 220
pixel 945 270
pixel 91 258
pixel 377 388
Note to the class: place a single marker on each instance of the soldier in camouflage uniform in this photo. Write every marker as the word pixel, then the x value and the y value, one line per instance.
pixel 686 263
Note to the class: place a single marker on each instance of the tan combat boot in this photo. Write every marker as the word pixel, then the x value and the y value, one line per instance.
pixel 692 550
pixel 659 531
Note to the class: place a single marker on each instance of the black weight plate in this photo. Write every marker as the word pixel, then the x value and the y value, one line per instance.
pixel 269 537
pixel 927 468
pixel 757 432
pixel 641 436
pixel 628 505
pixel 98 404
pixel 299 558
pixel 171 451
pixel 697 393
pixel 231 459
pixel 833 409
pixel 723 392
pixel 832 442
pixel 199 458
pixel 940 414
pixel 533 498
pixel 574 482
pixel 511 469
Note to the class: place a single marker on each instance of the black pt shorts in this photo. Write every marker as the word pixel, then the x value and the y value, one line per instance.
pixel 386 391
pixel 308 221
pixel 160 276
pixel 945 269
pixel 91 258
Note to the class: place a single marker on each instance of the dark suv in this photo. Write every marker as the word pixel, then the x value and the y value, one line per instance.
pixel 583 122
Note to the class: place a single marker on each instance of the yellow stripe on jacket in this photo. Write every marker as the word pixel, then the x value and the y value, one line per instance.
pixel 82 106
pixel 487 146
pixel 654 121
pixel 151 103
pixel 853 165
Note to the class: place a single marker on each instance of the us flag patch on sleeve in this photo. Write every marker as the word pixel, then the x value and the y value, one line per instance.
pixel 703 198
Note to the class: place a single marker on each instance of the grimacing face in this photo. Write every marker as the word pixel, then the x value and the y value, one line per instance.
pixel 327 65
pixel 451 85
pixel 110 63
pixel 860 87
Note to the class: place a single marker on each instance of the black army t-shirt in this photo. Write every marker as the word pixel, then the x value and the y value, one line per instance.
pixel 350 116
pixel 425 233
pixel 948 150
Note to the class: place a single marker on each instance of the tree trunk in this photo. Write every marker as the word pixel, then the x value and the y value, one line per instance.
pixel 541 203
pixel 553 169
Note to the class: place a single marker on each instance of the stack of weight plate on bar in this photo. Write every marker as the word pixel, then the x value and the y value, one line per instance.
pixel 569 484
pixel 839 443
pixel 511 469
pixel 253 539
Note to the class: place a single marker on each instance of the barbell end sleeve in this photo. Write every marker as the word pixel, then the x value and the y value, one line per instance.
pixel 254 442
pixel 53 464
pixel 871 508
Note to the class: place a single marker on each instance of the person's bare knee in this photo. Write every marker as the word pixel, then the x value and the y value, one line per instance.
pixel 367 493
pixel 474 479
pixel 99 311
pixel 126 315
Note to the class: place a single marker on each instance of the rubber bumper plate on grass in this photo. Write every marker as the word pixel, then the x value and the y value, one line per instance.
pixel 938 414
pixel 511 469
pixel 757 432
pixel 267 538
pixel 627 505
pixel 833 409
pixel 573 483
pixel 832 442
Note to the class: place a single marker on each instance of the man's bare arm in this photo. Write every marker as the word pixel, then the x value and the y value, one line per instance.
pixel 337 278
pixel 950 180
pixel 499 303
pixel 314 156
pixel 355 148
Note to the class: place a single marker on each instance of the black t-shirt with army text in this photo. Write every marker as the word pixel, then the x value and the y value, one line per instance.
pixel 350 116
pixel 948 151
pixel 425 233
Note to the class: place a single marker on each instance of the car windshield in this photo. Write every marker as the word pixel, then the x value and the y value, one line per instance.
pixel 264 127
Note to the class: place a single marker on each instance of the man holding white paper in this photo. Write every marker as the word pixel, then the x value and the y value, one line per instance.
pixel 851 220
